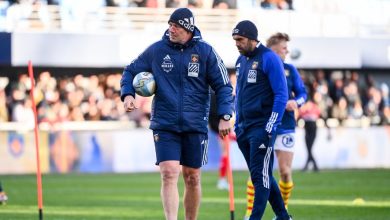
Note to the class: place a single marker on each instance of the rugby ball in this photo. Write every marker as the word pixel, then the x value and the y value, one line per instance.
pixel 144 84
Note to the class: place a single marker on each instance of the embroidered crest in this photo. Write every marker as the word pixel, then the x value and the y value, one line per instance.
pixel 194 58
pixel 167 64
pixel 254 65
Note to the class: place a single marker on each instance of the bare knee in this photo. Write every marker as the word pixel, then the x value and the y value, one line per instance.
pixel 285 174
pixel 191 177
pixel 169 172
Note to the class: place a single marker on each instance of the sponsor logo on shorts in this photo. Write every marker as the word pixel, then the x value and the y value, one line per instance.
pixel 288 140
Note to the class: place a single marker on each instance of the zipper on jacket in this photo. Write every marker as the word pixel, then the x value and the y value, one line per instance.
pixel 182 92
pixel 243 85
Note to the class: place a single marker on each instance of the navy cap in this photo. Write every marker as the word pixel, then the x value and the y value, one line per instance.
pixel 184 18
pixel 246 29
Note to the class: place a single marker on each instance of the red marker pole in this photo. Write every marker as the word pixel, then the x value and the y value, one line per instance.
pixel 226 141
pixel 39 175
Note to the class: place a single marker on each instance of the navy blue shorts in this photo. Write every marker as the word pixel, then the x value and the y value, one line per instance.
pixel 188 148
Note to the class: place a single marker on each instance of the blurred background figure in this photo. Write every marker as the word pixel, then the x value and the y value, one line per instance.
pixel 276 4
pixel 310 113
pixel 222 183
pixel 3 196
pixel 285 140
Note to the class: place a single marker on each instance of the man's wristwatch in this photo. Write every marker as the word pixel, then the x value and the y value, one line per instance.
pixel 226 117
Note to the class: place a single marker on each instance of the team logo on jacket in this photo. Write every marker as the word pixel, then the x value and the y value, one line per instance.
pixel 254 65
pixel 286 72
pixel 193 66
pixel 167 64
pixel 252 75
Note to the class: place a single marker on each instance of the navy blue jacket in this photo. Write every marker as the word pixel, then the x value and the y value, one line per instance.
pixel 296 91
pixel 183 75
pixel 261 92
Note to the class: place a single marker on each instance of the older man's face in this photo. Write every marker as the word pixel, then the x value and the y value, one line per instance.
pixel 177 34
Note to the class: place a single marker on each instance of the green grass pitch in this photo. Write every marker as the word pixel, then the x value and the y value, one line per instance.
pixel 329 194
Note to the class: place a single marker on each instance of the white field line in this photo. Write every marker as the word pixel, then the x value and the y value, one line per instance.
pixel 128 211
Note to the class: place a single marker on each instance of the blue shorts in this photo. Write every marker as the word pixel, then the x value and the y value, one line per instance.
pixel 188 148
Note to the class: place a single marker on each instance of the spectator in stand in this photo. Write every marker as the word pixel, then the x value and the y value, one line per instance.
pixel 23 112
pixel 3 107
pixel 351 92
pixel 356 112
pixel 172 3
pixel 368 83
pixel 339 109
pixel 223 4
pixel 275 4
pixel 113 3
pixel 53 2
pixel 373 106
pixel 4 115
pixel 386 104
pixel 337 87
pixel 321 86
pixel 290 4
pixel 195 4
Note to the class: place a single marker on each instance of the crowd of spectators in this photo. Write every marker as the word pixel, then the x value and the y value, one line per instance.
pixel 345 95
pixel 340 95
pixel 78 98
pixel 224 4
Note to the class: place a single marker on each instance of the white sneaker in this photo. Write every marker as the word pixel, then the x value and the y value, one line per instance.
pixel 289 218
pixel 223 184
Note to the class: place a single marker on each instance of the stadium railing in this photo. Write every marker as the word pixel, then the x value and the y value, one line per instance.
pixel 340 23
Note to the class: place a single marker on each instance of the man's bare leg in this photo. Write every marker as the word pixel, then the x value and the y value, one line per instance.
pixel 192 193
pixel 170 171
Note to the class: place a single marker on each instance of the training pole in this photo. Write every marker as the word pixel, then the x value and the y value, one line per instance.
pixel 39 175
pixel 226 141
